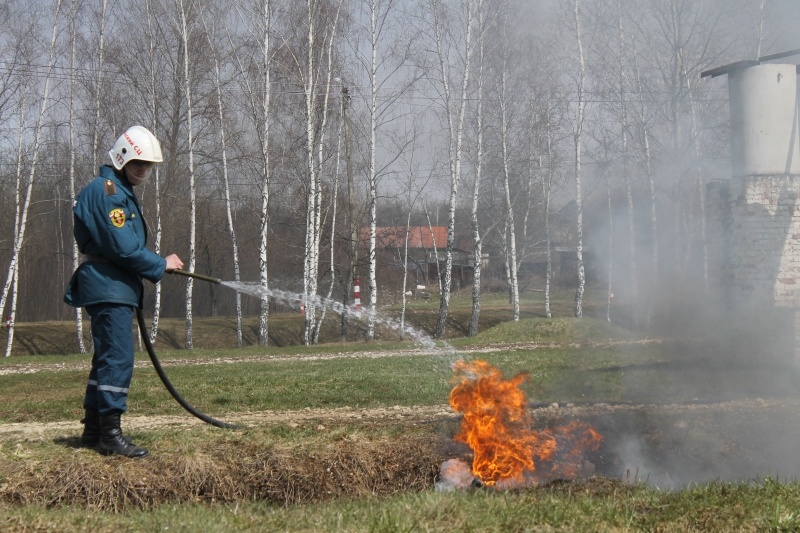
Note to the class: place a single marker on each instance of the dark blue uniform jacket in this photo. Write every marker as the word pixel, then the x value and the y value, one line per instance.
pixel 111 232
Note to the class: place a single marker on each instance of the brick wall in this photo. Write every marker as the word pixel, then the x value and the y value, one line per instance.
pixel 754 240
pixel 753 229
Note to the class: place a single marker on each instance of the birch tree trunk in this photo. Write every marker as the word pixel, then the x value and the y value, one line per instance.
pixel 373 176
pixel 624 128
pixel 546 187
pixel 332 271
pixel 315 140
pixel 18 198
pixel 455 126
pixel 435 250
pixel 698 182
pixel 184 32
pixel 72 150
pixel 648 169
pixel 510 222
pixel 151 50
pixel 19 234
pixel 477 252
pixel 226 183
pixel 259 102
pixel 98 83
pixel 581 103
pixel 609 287
pixel 351 216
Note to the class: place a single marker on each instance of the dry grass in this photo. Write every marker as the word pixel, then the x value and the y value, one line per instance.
pixel 228 471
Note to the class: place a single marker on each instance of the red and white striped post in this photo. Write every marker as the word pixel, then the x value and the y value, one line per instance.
pixel 357 295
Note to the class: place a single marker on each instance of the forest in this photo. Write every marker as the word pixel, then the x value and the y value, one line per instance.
pixel 295 132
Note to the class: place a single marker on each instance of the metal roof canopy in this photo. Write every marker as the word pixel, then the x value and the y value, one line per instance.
pixel 747 63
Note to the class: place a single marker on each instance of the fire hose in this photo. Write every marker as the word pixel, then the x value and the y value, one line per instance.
pixel 160 371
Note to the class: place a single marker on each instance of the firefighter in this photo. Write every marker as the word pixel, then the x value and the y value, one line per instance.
pixel 112 235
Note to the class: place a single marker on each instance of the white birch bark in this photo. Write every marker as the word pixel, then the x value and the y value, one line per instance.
pixel 455 127
pixel 263 318
pixel 477 243
pixel 259 101
pixel 72 151
pixel 435 250
pixel 648 164
pixel 18 198
pixel 351 213
pixel 98 82
pixel 700 187
pixel 320 158
pixel 510 223
pixel 19 234
pixel 332 271
pixel 373 177
pixel 314 151
pixel 310 260
pixel 191 263
pixel 151 50
pixel 581 103
pixel 405 277
pixel 609 288
pixel 546 187
pixel 625 127
pixel 226 182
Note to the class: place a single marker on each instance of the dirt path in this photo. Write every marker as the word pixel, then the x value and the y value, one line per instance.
pixel 396 415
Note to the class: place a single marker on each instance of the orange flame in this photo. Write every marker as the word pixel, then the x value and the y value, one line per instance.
pixel 497 426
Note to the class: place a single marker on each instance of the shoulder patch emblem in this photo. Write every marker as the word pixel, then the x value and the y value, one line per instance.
pixel 117 217
pixel 111 189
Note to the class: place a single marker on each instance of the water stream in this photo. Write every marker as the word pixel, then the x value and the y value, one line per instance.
pixel 254 288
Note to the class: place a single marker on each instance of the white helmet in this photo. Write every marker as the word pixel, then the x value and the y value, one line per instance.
pixel 136 143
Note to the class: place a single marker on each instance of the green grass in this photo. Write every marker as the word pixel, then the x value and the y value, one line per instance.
pixel 762 506
pixel 567 360
pixel 353 382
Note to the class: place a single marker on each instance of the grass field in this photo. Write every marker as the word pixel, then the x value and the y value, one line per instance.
pixel 350 436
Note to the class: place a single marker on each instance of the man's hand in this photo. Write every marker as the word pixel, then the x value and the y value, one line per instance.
pixel 173 262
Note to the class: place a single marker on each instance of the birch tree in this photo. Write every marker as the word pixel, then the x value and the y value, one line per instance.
pixel 477 243
pixel 677 39
pixel 210 34
pixel 257 22
pixel 454 107
pixel 578 140
pixel 23 201
pixel 152 58
pixel 316 80
pixel 72 153
pixel 332 250
pixel 183 31
pixel 625 127
pixel 547 183
pixel 352 222
pixel 383 62
pixel 98 81
pixel 503 105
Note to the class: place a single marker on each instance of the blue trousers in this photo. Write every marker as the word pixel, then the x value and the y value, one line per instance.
pixel 112 363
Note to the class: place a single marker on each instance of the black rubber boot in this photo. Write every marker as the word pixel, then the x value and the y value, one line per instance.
pixel 91 429
pixel 113 442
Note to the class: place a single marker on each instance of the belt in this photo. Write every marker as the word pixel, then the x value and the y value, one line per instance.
pixel 94 259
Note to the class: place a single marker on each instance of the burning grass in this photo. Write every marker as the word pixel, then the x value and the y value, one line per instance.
pixel 496 424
